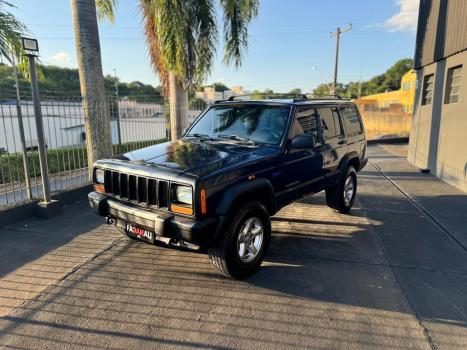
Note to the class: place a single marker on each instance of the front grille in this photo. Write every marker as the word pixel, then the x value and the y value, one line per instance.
pixel 137 189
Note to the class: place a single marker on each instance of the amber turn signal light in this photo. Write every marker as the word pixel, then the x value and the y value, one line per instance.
pixel 99 188
pixel 204 208
pixel 181 210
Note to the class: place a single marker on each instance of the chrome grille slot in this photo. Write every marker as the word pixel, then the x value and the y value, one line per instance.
pixel 116 183
pixel 132 191
pixel 142 195
pixel 123 185
pixel 163 190
pixel 108 181
pixel 152 192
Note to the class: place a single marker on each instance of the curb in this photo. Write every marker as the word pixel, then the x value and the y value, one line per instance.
pixel 392 140
pixel 34 209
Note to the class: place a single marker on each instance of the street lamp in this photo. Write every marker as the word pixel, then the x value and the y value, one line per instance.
pixel 31 48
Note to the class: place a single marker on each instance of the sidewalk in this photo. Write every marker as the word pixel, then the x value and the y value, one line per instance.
pixel 384 277
pixel 444 202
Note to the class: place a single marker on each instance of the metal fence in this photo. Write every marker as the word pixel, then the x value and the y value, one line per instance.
pixel 134 124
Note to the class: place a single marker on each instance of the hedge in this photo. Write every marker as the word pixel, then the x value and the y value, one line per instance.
pixel 58 160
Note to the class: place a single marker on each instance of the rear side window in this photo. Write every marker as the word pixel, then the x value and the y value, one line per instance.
pixel 305 122
pixel 352 124
pixel 330 122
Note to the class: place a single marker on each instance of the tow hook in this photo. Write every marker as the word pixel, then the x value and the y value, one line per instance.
pixel 109 220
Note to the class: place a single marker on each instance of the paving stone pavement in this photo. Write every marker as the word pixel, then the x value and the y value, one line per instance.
pixel 384 277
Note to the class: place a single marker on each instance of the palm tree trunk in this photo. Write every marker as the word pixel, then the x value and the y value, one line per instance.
pixel 178 99
pixel 95 106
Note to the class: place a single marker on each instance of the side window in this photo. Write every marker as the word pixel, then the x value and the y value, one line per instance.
pixel 305 122
pixel 330 122
pixel 351 120
pixel 427 93
pixel 453 85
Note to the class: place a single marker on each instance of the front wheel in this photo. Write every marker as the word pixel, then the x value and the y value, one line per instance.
pixel 239 252
pixel 342 196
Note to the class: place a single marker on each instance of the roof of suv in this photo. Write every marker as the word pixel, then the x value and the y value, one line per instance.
pixel 288 101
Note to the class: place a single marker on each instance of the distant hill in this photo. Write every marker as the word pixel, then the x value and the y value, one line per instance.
pixel 65 82
pixel 388 81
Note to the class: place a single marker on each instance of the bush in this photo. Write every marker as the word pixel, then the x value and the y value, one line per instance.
pixel 58 160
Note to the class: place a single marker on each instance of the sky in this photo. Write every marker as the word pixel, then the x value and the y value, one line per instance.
pixel 290 45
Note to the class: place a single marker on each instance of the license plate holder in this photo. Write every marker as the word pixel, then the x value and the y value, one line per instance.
pixel 140 232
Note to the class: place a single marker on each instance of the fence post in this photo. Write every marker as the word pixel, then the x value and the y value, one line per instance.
pixel 119 130
pixel 39 129
pixel 27 175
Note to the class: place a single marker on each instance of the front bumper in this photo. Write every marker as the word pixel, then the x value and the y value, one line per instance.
pixel 164 224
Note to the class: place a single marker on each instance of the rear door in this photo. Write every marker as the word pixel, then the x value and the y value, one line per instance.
pixel 334 140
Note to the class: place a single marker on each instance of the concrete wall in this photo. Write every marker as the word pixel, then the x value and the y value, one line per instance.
pixel 438 139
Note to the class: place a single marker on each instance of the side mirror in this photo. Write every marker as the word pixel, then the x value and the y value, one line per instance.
pixel 303 141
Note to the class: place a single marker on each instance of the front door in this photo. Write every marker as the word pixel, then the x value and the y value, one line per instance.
pixel 303 168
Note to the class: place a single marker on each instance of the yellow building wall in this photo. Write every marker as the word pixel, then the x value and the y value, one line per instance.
pixel 404 96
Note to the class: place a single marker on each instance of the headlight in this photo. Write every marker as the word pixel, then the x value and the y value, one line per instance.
pixel 100 176
pixel 182 195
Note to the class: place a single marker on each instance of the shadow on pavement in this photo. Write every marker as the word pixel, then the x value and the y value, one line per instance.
pixel 329 279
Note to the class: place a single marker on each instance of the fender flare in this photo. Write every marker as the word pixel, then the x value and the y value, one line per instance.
pixel 345 162
pixel 243 188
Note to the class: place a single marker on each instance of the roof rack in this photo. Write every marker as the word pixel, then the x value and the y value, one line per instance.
pixel 293 97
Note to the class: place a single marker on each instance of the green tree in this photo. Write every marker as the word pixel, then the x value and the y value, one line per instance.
pixel 295 91
pixel 388 81
pixel 219 87
pixel 183 57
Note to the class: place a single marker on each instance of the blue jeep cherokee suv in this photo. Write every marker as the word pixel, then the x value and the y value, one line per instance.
pixel 236 165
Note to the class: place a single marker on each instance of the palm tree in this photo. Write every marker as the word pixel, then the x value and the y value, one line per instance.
pixel 95 107
pixel 181 36
pixel 11 30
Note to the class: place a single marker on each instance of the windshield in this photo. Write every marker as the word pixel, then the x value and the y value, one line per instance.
pixel 260 124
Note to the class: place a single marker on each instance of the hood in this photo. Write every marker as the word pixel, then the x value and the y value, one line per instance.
pixel 197 157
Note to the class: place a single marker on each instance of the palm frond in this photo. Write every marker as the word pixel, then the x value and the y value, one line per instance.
pixel 237 16
pixel 11 30
pixel 147 12
pixel 106 9
pixel 206 38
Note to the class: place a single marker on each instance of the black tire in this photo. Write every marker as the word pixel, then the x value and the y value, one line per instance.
pixel 224 254
pixel 335 195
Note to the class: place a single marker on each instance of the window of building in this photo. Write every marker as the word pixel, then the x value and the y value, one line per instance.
pixel 453 85
pixel 352 123
pixel 428 83
pixel 305 122
pixel 330 122
pixel 406 86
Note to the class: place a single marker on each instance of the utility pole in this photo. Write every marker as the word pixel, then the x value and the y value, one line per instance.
pixel 117 112
pixel 337 34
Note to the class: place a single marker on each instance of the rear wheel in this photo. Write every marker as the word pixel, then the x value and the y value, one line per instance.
pixel 240 251
pixel 342 196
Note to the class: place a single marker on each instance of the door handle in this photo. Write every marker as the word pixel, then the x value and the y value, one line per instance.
pixel 342 142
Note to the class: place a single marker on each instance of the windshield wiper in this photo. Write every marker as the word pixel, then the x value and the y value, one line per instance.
pixel 237 138
pixel 201 136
